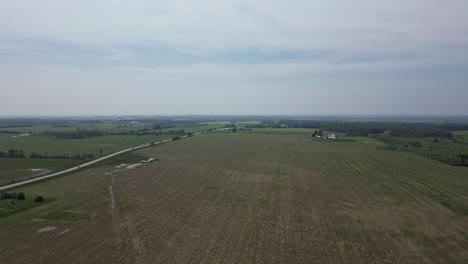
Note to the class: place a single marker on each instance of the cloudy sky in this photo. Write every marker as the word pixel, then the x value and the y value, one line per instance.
pixel 109 57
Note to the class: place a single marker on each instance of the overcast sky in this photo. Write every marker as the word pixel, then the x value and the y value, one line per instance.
pixel 111 57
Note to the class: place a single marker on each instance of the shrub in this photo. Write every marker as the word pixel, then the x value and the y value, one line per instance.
pixel 39 199
pixel 9 196
pixel 21 196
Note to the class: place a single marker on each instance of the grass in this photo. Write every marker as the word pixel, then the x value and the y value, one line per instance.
pixel 12 206
pixel 302 132
pixel 54 146
pixel 114 127
pixel 17 169
pixel 441 149
pixel 52 164
pixel 14 170
pixel 192 128
pixel 106 126
pixel 460 133
pixel 125 158
pixel 19 213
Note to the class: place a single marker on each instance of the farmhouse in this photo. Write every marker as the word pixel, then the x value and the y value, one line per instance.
pixel 331 136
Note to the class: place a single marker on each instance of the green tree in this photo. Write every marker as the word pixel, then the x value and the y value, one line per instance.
pixel 21 196
pixel 39 199
pixel 462 157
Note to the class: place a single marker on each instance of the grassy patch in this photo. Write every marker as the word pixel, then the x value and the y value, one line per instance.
pixel 451 204
pixel 128 157
pixel 280 131
pixel 9 207
pixel 14 170
pixel 441 149
pixel 29 213
pixel 53 146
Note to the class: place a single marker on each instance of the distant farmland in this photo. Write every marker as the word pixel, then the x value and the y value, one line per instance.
pixel 265 196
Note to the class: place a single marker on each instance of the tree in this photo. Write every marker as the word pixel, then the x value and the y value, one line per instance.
pixel 462 157
pixel 39 199
pixel 11 152
pixel 234 129
pixel 21 196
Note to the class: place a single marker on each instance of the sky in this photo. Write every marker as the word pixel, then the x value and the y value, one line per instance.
pixel 151 57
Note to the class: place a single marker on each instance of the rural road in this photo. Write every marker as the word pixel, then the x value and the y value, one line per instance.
pixel 18 184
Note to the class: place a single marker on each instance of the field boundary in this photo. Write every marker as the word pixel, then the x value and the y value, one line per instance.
pixel 72 169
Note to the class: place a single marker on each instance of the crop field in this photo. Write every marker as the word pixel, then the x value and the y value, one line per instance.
pixel 23 168
pixel 106 126
pixel 463 133
pixel 14 170
pixel 113 127
pixel 442 149
pixel 108 144
pixel 259 196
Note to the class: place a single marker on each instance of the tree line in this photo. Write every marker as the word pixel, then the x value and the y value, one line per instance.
pixel 12 153
pixel 79 134
pixel 84 156
pixel 395 129
pixel 18 153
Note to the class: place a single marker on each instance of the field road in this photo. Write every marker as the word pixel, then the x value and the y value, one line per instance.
pixel 18 184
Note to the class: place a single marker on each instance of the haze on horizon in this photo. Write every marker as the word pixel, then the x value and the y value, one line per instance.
pixel 233 57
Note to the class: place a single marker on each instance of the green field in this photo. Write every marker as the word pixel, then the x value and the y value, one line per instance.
pixel 43 144
pixel 460 133
pixel 440 149
pixel 20 169
pixel 15 170
pixel 271 196
pixel 303 132
pixel 195 128
pixel 106 127
pixel 113 127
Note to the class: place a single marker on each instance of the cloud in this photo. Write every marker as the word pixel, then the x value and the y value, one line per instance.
pixel 213 45
pixel 199 26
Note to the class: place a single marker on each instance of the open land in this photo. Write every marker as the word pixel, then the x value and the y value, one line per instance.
pixel 251 196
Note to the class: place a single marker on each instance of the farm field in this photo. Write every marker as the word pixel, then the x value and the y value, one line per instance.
pixel 107 127
pixel 112 127
pixel 14 170
pixel 42 144
pixel 303 132
pixel 23 168
pixel 258 196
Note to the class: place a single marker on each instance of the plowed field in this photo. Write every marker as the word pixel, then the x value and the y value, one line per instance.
pixel 251 198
